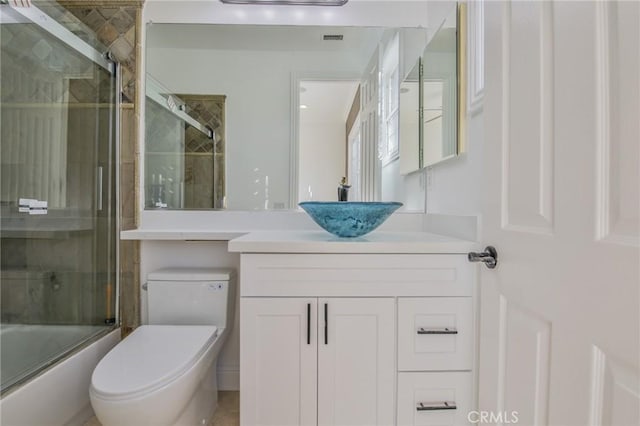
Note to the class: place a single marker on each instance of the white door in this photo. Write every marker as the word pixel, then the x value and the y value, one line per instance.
pixel 278 354
pixel 560 327
pixel 356 361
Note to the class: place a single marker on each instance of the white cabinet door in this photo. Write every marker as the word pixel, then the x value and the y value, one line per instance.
pixel 560 321
pixel 356 365
pixel 278 355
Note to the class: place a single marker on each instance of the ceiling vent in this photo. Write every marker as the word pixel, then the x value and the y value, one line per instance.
pixel 333 37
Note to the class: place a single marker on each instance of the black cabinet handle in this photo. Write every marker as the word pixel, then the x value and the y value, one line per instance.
pixel 326 324
pixel 442 330
pixel 308 323
pixel 435 406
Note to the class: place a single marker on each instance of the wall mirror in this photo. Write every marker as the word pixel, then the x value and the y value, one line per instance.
pixel 280 112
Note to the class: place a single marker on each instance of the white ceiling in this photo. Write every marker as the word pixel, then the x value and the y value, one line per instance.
pixel 326 101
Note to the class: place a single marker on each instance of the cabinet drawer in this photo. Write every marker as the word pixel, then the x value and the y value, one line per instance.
pixel 435 333
pixel 438 398
pixel 355 275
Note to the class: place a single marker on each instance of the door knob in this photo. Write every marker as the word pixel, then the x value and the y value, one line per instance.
pixel 489 257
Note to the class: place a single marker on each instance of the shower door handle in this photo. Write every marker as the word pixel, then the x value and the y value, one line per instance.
pixel 99 189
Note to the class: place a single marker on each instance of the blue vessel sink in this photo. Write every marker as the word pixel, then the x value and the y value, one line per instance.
pixel 349 218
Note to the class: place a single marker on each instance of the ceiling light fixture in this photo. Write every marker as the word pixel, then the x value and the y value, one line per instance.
pixel 290 2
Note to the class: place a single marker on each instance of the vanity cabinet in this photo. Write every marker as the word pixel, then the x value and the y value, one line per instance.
pixel 325 361
pixel 358 337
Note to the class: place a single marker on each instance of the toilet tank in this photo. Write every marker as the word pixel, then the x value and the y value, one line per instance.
pixel 191 296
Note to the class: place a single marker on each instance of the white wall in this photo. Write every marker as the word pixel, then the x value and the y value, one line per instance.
pixel 408 189
pixel 454 186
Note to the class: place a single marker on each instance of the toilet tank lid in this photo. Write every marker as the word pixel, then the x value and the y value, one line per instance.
pixel 191 274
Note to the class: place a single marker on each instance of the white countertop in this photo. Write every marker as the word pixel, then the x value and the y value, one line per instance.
pixel 226 225
pixel 180 234
pixel 323 242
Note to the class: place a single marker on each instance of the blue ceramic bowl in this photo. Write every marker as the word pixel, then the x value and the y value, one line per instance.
pixel 349 219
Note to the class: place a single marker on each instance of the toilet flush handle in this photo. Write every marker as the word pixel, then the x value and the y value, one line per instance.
pixel 144 286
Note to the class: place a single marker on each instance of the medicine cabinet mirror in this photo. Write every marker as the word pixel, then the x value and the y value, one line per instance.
pixel 442 101
pixel 410 119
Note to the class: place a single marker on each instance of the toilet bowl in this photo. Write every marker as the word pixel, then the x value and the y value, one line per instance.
pixel 165 374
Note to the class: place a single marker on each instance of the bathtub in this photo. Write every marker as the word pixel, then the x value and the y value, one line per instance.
pixel 60 394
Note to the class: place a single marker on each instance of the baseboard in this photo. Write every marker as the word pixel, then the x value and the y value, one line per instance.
pixel 229 379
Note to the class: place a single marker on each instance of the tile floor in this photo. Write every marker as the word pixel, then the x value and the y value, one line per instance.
pixel 227 414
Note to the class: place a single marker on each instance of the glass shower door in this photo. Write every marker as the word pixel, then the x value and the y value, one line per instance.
pixel 57 195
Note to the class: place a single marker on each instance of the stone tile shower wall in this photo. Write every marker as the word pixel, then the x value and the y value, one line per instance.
pixel 117 25
pixel 205 158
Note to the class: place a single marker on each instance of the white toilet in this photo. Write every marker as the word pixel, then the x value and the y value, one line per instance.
pixel 164 373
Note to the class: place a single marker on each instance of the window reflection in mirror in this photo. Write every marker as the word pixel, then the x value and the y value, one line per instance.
pixel 266 161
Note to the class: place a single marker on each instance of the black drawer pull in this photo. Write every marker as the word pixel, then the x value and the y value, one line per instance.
pixel 434 406
pixel 443 330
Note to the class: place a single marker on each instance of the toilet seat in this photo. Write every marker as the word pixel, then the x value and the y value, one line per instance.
pixel 150 358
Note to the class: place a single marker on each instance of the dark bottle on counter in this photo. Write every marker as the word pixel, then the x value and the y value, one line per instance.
pixel 343 190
